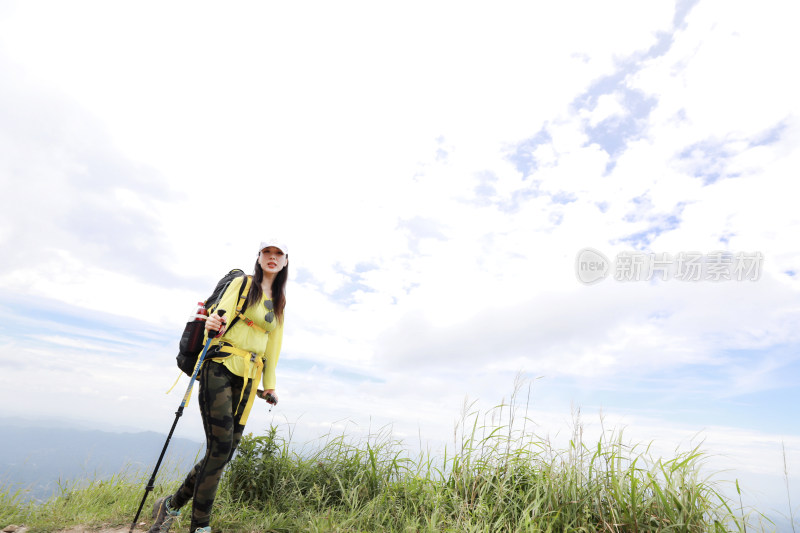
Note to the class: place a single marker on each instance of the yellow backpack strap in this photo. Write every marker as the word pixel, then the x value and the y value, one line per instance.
pixel 252 324
pixel 243 294
pixel 240 306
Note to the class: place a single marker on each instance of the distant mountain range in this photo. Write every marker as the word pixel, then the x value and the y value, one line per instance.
pixel 41 460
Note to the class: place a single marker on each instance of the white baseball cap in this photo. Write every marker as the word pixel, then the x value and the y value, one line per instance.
pixel 273 242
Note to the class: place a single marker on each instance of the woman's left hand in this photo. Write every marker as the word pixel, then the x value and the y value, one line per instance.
pixel 269 395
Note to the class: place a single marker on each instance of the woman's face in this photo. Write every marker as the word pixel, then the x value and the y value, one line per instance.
pixel 272 260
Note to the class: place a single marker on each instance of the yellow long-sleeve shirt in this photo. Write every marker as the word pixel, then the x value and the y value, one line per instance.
pixel 244 337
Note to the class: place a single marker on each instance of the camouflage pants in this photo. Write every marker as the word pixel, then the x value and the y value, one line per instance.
pixel 219 395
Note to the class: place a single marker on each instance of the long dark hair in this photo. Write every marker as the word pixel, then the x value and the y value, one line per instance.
pixel 278 289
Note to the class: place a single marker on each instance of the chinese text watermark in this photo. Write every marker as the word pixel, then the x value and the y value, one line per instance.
pixel 591 266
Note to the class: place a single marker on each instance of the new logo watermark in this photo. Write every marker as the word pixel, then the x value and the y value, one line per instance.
pixel 591 266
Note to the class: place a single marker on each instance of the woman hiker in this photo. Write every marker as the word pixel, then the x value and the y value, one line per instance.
pixel 242 354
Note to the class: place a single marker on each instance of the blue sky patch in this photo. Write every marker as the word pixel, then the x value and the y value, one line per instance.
pixel 307 366
pixel 39 319
pixel 485 190
pixel 605 85
pixel 418 228
pixel 658 223
pixel 303 275
pixel 682 9
pixel 345 294
pixel 771 136
pixel 563 198
pixel 522 157
pixel 613 133
pixel 519 197
pixel 726 238
pixel 707 160
pixel 363 267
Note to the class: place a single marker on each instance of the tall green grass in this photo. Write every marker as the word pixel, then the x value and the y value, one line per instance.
pixel 497 477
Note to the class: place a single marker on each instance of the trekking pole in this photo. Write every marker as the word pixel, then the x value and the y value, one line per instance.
pixel 178 413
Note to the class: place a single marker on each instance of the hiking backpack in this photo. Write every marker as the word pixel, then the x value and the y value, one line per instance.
pixel 191 343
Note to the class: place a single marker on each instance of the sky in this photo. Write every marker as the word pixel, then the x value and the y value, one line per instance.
pixel 472 196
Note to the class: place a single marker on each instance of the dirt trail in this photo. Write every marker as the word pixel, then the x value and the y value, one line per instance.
pixel 79 529
pixel 141 528
pixel 82 529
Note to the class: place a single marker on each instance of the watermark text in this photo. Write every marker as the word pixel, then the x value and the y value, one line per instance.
pixel 591 266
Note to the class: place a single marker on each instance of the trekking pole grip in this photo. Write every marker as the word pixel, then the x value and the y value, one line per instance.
pixel 212 333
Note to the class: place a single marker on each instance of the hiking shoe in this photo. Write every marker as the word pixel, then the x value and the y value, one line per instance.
pixel 206 529
pixel 163 516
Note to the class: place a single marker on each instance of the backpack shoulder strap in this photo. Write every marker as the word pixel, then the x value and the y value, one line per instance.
pixel 244 290
pixel 239 308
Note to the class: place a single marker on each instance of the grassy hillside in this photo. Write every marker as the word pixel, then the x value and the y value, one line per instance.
pixel 498 479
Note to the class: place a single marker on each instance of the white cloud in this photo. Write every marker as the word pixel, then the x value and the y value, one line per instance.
pixel 608 105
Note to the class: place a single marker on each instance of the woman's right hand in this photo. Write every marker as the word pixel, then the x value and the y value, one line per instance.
pixel 216 323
